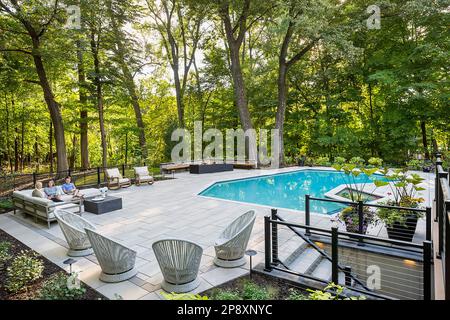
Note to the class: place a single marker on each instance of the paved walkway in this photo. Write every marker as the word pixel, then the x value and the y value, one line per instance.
pixel 168 209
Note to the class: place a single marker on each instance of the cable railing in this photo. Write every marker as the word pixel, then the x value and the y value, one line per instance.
pixel 381 269
pixel 442 202
pixel 403 230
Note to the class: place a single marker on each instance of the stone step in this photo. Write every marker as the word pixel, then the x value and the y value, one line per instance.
pixel 306 261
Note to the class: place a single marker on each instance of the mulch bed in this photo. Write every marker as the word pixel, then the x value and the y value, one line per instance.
pixel 50 269
pixel 282 288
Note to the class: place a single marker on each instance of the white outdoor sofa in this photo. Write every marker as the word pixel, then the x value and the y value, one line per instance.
pixel 43 209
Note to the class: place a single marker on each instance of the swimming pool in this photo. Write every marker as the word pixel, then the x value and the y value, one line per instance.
pixel 285 190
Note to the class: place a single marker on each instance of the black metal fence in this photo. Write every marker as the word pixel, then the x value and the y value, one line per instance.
pixel 83 178
pixel 442 202
pixel 401 278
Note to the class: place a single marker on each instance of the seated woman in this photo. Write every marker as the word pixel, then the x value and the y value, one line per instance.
pixel 52 192
pixel 69 188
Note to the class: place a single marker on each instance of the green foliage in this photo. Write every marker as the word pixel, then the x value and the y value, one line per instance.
pixel 322 161
pixel 56 288
pixel 227 295
pixel 183 296
pixel 6 204
pixel 252 291
pixel 24 269
pixel 340 161
pixel 332 292
pixel 357 161
pixel 296 295
pixel 5 255
pixel 375 162
pixel 414 164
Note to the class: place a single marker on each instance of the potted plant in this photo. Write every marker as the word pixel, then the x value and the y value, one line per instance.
pixel 355 192
pixel 401 224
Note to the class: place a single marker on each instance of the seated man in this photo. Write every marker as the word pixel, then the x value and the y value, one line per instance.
pixel 69 188
pixel 38 192
pixel 52 192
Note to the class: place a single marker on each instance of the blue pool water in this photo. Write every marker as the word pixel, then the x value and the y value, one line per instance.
pixel 286 190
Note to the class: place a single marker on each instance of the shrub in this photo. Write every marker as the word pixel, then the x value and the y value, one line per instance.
pixel 183 296
pixel 252 291
pixel 25 268
pixel 323 161
pixel 296 295
pixel 375 162
pixel 6 205
pixel 332 292
pixel 57 288
pixel 4 252
pixel 414 164
pixel 340 160
pixel 227 295
pixel 358 161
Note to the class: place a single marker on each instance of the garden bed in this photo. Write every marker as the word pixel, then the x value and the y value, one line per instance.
pixel 33 289
pixel 259 287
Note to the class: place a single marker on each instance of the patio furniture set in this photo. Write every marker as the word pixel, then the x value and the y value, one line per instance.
pixel 115 180
pixel 179 260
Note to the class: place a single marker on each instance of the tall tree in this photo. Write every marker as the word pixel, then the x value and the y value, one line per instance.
pixel 34 26
pixel 118 15
pixel 179 25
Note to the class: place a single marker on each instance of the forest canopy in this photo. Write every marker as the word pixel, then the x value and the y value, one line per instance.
pixel 88 83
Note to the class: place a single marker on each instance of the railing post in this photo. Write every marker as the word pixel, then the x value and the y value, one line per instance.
pixel 427 278
pixel 307 214
pixel 34 178
pixel 446 261
pixel 360 220
pixel 267 242
pixel 348 277
pixel 123 170
pixel 99 182
pixel 334 256
pixel 440 208
pixel 274 238
pixel 69 172
pixel 428 224
pixel 437 184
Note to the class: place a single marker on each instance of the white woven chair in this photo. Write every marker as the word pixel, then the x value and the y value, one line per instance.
pixel 142 175
pixel 115 180
pixel 179 261
pixel 116 260
pixel 72 226
pixel 232 243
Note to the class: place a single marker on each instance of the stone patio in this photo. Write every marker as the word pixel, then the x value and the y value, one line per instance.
pixel 168 209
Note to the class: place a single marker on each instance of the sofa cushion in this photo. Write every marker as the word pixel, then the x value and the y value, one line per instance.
pixel 41 201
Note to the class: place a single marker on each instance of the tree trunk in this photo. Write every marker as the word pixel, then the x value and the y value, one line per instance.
pixel 55 112
pixel 281 110
pixel 99 96
pixel 16 136
pixel 128 79
pixel 425 140
pixel 51 147
pixel 84 141
pixel 22 140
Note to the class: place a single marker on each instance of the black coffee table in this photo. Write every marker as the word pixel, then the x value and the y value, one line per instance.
pixel 100 207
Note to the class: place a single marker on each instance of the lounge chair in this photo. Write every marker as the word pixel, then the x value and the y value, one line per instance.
pixel 179 261
pixel 142 175
pixel 232 243
pixel 72 226
pixel 115 179
pixel 116 260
